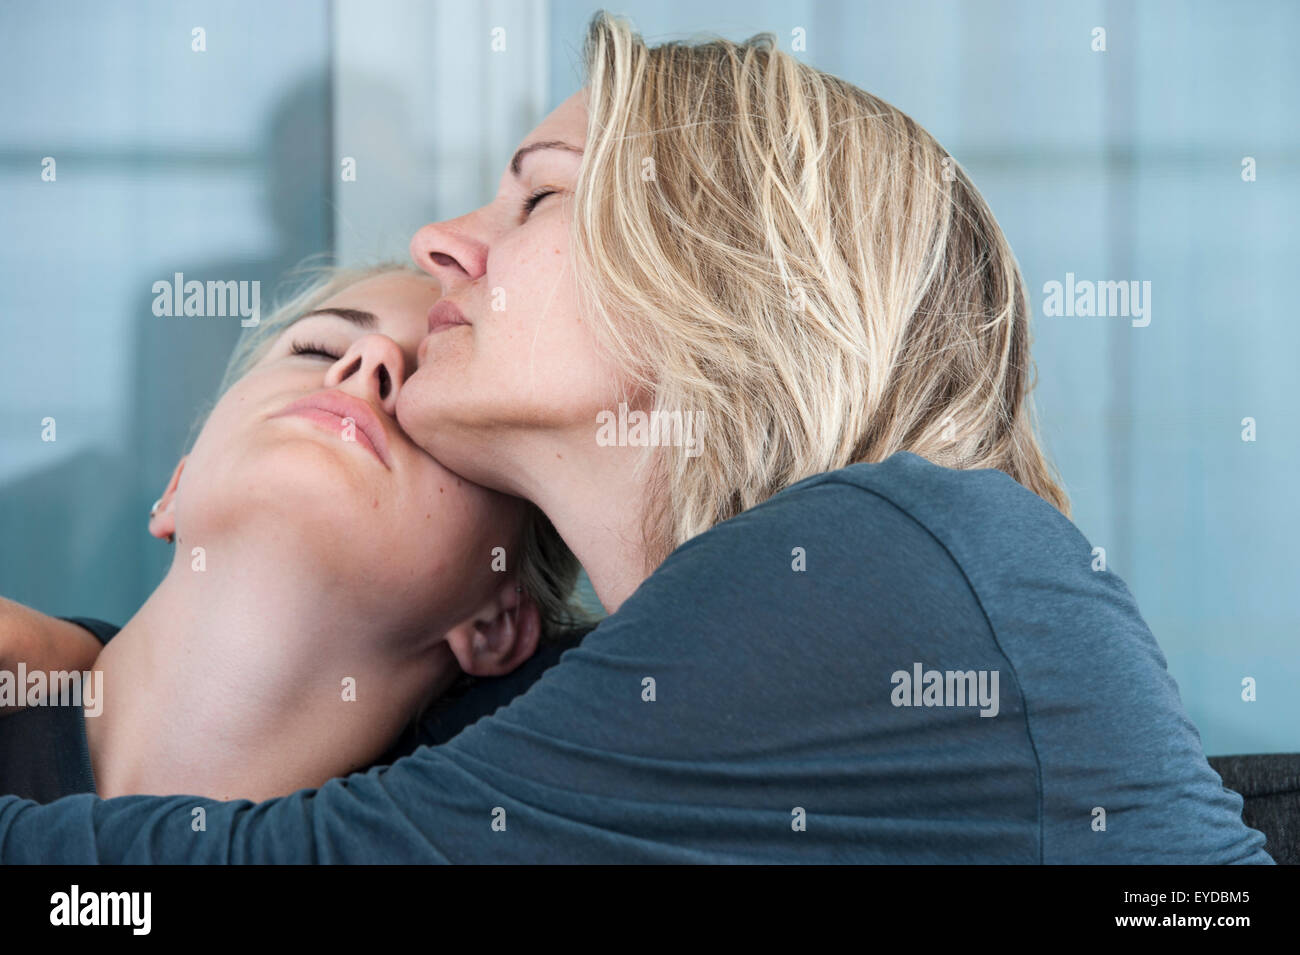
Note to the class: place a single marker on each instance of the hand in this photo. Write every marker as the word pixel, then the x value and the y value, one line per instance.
pixel 41 642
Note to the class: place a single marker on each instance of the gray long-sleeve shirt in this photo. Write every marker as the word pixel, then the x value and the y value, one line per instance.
pixel 892 662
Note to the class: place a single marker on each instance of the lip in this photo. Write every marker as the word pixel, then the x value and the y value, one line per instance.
pixel 445 315
pixel 329 408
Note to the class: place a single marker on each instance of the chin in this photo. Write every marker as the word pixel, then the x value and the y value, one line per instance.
pixel 294 482
pixel 327 469
pixel 415 404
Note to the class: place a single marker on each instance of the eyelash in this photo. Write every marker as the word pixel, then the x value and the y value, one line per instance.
pixel 312 348
pixel 531 202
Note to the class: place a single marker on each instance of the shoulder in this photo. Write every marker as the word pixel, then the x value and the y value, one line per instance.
pixel 901 510
pixel 900 536
pixel 934 497
pixel 882 556
pixel 947 502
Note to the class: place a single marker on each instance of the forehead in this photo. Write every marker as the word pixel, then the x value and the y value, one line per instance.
pixel 567 122
pixel 399 302
pixel 393 288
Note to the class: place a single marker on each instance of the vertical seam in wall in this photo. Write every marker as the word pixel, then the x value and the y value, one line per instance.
pixel 1121 168
pixel 543 78
pixel 329 190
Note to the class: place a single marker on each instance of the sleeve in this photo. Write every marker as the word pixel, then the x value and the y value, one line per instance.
pixel 682 729
pixel 99 629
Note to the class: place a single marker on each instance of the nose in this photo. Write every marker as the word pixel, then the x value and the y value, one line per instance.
pixel 450 252
pixel 372 369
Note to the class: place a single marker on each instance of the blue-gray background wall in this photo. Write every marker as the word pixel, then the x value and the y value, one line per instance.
pixel 1117 165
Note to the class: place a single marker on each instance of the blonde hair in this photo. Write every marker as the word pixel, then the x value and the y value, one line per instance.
pixel 801 263
pixel 548 570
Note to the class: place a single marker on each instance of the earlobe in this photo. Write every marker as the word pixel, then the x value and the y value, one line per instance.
pixel 162 516
pixel 499 639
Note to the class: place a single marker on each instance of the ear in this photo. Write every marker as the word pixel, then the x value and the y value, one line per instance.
pixel 501 636
pixel 162 522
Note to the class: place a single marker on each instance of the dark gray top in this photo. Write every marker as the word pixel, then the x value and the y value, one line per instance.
pixel 757 700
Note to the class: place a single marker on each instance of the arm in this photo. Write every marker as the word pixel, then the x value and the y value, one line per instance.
pixel 41 642
pixel 741 707
pixel 591 764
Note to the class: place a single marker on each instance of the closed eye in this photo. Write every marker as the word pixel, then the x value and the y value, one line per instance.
pixel 531 202
pixel 313 348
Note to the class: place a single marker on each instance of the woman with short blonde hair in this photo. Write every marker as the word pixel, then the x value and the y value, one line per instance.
pixel 828 285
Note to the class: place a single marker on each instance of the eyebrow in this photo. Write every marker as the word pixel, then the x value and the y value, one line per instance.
pixel 533 147
pixel 354 315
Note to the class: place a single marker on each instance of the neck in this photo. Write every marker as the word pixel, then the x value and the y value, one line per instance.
pixel 233 682
pixel 597 502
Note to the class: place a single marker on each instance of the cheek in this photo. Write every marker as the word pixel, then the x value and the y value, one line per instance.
pixel 217 444
pixel 531 282
pixel 414 405
pixel 458 528
pixel 539 332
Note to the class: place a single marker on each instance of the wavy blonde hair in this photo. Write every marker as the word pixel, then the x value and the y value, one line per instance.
pixel 548 570
pixel 802 263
